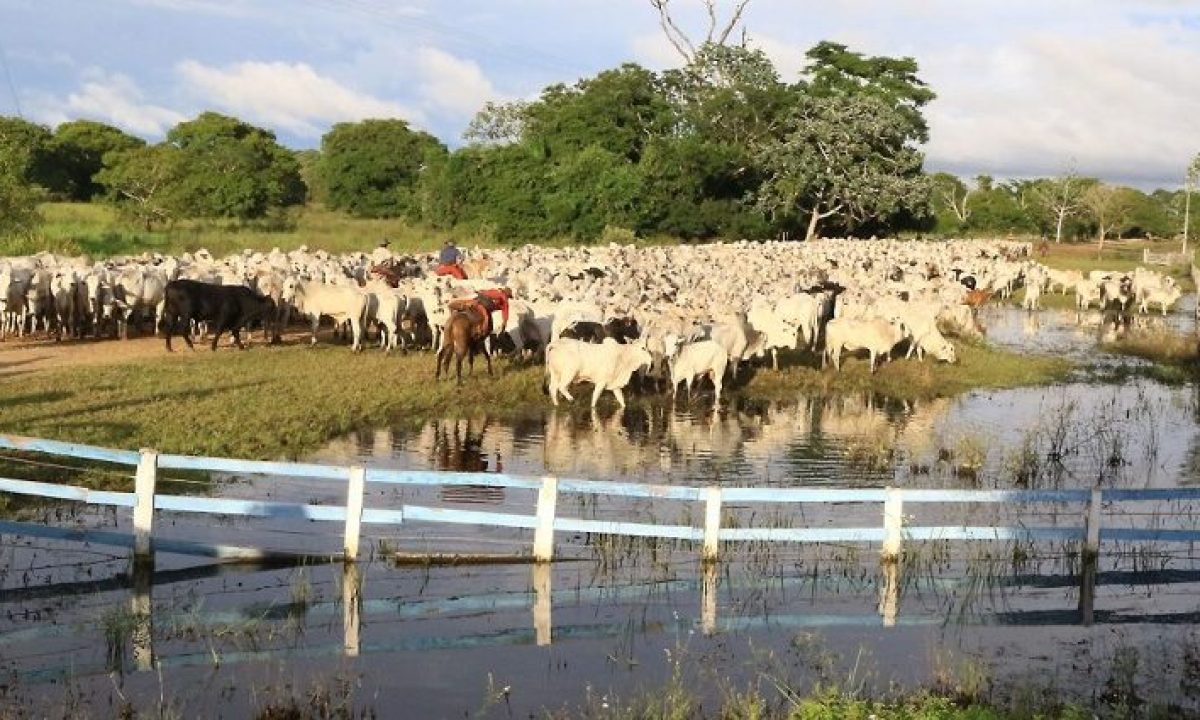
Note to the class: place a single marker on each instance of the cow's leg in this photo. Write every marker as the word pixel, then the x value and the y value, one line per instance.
pixel 596 392
pixel 356 327
pixel 316 321
pixel 488 357
pixel 716 380
pixel 620 396
pixel 775 359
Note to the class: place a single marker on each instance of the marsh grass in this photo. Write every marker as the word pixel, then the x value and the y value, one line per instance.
pixel 1161 346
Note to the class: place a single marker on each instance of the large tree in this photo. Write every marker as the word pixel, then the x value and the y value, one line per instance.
pixel 371 168
pixel 143 181
pixel 231 168
pixel 951 199
pixel 846 158
pixel 27 151
pixel 79 147
pixel 1060 198
pixel 1109 206
pixel 836 71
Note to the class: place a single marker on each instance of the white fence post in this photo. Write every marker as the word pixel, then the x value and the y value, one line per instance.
pixel 143 507
pixel 543 535
pixel 893 524
pixel 354 510
pixel 712 523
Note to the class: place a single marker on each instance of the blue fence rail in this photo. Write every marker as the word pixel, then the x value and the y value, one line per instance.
pixel 546 520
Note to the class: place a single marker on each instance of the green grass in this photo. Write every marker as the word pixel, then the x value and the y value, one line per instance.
pixel 1120 257
pixel 978 366
pixel 99 231
pixel 273 402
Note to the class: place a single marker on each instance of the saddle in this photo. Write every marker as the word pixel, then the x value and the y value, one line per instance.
pixel 481 318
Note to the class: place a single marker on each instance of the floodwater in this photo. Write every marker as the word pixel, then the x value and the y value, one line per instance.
pixel 618 619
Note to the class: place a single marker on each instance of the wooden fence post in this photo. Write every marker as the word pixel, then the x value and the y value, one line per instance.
pixel 354 510
pixel 893 524
pixel 143 507
pixel 712 524
pixel 543 534
pixel 1091 546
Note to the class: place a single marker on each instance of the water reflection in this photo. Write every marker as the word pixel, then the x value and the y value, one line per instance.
pixel 1072 435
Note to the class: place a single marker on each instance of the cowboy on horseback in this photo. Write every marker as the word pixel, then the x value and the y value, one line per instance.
pixel 484 303
pixel 450 262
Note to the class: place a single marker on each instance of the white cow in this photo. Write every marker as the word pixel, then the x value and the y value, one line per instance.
pixel 343 304
pixel 875 335
pixel 696 359
pixel 608 365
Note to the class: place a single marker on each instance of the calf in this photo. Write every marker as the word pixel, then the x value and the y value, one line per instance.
pixel 224 307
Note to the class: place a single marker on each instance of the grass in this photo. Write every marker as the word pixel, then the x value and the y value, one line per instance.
pixel 978 366
pixel 1176 355
pixel 100 231
pixel 284 402
pixel 1122 256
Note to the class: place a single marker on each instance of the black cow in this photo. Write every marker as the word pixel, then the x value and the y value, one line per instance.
pixel 223 307
pixel 623 330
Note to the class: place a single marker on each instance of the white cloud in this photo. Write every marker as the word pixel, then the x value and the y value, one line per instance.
pixel 289 96
pixel 1117 105
pixel 108 97
pixel 453 85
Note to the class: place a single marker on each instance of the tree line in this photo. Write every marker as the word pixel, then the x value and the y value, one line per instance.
pixel 720 148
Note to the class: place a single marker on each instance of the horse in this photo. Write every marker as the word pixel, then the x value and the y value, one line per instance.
pixel 463 337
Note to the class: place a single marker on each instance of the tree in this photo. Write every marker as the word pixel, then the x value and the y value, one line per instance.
pixel 1191 178
pixel 952 194
pixel 1109 207
pixel 497 123
pixel 232 169
pixel 679 39
pixel 592 189
pixel 1061 197
pixel 141 181
pixel 18 202
pixel 79 147
pixel 26 151
pixel 371 168
pixel 844 157
pixel 836 71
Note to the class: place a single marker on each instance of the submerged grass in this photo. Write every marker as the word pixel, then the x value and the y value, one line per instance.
pixel 283 402
pixel 1176 355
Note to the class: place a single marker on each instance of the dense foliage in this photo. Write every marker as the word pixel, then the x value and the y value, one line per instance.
pixel 722 147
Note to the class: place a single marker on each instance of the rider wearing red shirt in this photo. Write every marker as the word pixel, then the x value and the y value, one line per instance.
pixel 492 300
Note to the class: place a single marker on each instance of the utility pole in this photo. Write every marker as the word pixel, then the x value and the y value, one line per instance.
pixel 1193 172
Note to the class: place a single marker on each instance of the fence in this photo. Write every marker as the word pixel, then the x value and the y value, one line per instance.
pixel 546 521
pixel 1168 258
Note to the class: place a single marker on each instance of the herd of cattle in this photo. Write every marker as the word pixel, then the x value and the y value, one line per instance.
pixel 599 314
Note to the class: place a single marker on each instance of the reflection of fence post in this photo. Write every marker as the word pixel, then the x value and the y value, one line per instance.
pixel 354 509
pixel 543 534
pixel 1091 558
pixel 143 507
pixel 712 523
pixel 142 609
pixel 893 524
pixel 889 594
pixel 351 608
pixel 541 604
pixel 708 599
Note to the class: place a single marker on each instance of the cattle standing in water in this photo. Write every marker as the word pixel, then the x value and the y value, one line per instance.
pixel 224 307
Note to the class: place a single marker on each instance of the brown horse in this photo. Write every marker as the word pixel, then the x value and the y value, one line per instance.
pixel 464 337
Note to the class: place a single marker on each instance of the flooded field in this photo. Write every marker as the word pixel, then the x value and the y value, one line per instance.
pixel 618 618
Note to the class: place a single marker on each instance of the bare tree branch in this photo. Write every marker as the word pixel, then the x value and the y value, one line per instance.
pixel 676 36
pixel 679 39
pixel 733 21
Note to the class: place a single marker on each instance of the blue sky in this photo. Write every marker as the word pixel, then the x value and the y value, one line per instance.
pixel 1109 87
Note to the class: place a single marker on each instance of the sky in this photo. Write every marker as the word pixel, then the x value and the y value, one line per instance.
pixel 1106 88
